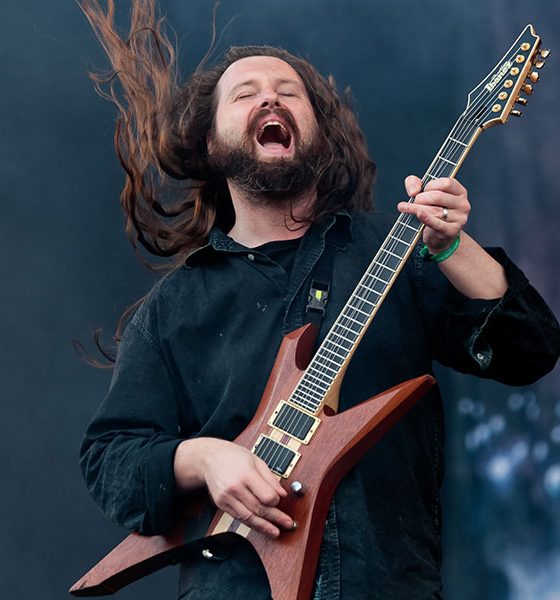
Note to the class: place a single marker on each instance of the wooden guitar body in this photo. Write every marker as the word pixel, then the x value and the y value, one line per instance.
pixel 339 441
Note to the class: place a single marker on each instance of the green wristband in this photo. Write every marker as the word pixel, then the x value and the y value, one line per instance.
pixel 441 256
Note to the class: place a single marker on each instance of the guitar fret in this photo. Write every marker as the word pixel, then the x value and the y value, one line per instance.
pixel 300 394
pixel 331 341
pixel 344 337
pixel 391 253
pixel 364 300
pixel 458 142
pixel 320 357
pixel 397 239
pixel 305 382
pixel 310 406
pixel 379 278
pixel 385 267
pixel 371 289
pixel 306 394
pixel 360 311
pixel 321 382
pixel 352 319
pixel 409 226
pixel 320 376
pixel 447 161
pixel 316 370
pixel 334 351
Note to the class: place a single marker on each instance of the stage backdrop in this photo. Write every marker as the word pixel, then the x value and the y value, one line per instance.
pixel 67 268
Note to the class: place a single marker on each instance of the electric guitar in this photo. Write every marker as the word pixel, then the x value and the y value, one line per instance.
pixel 295 427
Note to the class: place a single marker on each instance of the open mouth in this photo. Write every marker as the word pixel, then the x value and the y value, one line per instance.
pixel 273 135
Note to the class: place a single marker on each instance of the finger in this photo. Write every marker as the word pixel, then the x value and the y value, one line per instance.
pixel 271 479
pixel 446 184
pixel 248 509
pixel 413 185
pixel 433 221
pixel 246 496
pixel 238 510
pixel 431 216
pixel 437 198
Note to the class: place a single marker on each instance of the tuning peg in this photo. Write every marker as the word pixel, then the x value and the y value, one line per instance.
pixel 534 76
pixel 522 101
pixel 539 63
pixel 515 113
pixel 544 53
pixel 528 89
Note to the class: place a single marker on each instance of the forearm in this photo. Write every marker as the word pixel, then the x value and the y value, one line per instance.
pixel 473 272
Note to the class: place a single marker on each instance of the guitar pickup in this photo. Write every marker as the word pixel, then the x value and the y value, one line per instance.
pixel 294 422
pixel 276 455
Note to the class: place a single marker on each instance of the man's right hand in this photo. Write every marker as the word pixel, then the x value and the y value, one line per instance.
pixel 239 482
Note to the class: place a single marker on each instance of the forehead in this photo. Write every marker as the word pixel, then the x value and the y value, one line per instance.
pixel 256 68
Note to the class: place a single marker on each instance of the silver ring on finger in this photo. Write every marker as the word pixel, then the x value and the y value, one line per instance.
pixel 445 213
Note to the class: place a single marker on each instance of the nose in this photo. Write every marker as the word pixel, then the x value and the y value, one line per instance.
pixel 269 99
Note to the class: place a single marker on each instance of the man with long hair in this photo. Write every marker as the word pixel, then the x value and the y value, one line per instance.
pixel 278 177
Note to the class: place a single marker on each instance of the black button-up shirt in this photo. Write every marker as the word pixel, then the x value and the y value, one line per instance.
pixel 195 359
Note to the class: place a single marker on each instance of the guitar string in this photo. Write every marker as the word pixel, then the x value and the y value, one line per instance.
pixel 450 148
pixel 451 151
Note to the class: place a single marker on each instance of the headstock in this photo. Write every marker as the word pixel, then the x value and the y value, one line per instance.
pixel 493 100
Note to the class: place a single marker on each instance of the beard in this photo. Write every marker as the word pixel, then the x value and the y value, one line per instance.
pixel 278 181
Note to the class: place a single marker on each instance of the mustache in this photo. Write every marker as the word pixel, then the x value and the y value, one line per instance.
pixel 284 113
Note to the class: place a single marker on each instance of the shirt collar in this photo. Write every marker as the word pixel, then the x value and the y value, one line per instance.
pixel 337 228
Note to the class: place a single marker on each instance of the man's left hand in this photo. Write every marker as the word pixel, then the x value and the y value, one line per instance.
pixel 443 206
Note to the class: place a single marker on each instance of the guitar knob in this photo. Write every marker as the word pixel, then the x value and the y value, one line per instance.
pixel 515 113
pixel 522 101
pixel 298 488
pixel 528 89
pixel 534 76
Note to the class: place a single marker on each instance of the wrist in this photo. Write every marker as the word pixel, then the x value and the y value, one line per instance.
pixel 442 255
pixel 188 465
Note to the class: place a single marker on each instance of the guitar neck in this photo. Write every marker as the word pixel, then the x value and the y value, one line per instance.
pixel 340 343
pixel 489 104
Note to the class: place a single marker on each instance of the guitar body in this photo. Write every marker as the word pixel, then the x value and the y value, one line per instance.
pixel 338 443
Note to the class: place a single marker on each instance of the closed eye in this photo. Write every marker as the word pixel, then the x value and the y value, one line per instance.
pixel 243 96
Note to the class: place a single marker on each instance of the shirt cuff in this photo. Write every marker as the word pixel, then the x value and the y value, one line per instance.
pixel 159 481
pixel 477 313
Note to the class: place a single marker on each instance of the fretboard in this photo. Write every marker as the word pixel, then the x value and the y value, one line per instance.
pixel 333 355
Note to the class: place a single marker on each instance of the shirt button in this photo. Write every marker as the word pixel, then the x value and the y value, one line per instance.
pixel 251 256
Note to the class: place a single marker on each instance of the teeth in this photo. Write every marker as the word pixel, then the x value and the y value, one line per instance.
pixel 274 123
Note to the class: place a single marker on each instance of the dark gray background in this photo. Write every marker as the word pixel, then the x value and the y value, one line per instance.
pixel 67 268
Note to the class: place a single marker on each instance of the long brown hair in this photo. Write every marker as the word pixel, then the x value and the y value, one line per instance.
pixel 171 196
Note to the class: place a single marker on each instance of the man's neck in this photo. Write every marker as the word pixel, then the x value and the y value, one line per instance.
pixel 258 223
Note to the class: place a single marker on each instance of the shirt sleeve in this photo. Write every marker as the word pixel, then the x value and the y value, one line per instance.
pixel 128 450
pixel 514 339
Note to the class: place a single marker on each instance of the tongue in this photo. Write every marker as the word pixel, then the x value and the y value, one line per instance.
pixel 273 146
